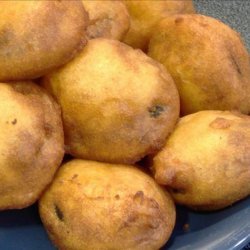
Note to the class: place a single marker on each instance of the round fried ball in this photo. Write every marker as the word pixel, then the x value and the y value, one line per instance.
pixel 108 19
pixel 37 36
pixel 146 14
pixel 206 160
pixel 93 205
pixel 118 104
pixel 31 143
pixel 207 60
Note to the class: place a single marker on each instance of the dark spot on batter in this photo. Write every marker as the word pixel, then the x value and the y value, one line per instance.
pixel 153 203
pixel 48 130
pixel 155 111
pixel 14 121
pixel 74 176
pixel 117 197
pixel 153 224
pixel 98 198
pixel 99 27
pixel 139 197
pixel 178 191
pixel 24 89
pixel 235 63
pixel 132 218
pixel 6 36
pixel 59 213
pixel 220 123
pixel 178 20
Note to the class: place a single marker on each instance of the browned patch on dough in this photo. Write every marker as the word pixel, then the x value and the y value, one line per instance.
pixel 14 121
pixel 220 123
pixel 150 202
pixel 153 203
pixel 178 20
pixel 48 130
pixel 6 36
pixel 99 27
pixel 58 213
pixel 74 176
pixel 237 138
pixel 139 197
pixel 132 218
pixel 117 197
pixel 27 88
pixel 235 63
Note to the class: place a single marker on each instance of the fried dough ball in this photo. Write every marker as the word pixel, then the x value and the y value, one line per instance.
pixel 146 14
pixel 93 205
pixel 118 104
pixel 37 36
pixel 108 19
pixel 206 161
pixel 31 143
pixel 207 60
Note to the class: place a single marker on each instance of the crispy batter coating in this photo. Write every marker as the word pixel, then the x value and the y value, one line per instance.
pixel 37 36
pixel 146 14
pixel 108 19
pixel 118 104
pixel 93 205
pixel 31 143
pixel 206 160
pixel 208 61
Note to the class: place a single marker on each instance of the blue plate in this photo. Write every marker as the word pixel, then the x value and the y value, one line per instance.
pixel 227 229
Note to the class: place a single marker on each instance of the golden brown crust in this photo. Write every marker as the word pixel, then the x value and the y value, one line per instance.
pixel 108 19
pixel 38 36
pixel 146 14
pixel 118 104
pixel 105 208
pixel 206 161
pixel 31 143
pixel 208 61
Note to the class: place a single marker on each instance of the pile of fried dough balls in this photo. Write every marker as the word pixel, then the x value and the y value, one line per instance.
pixel 106 83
